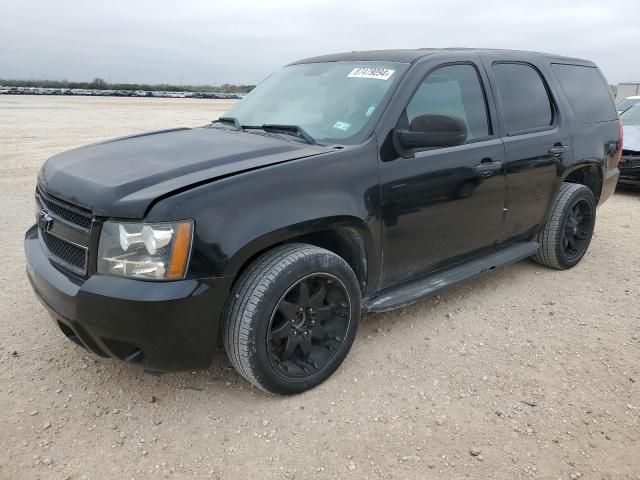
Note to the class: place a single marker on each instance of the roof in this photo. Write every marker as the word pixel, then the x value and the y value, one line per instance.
pixel 412 55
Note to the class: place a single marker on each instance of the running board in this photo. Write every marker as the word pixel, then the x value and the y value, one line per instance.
pixel 409 293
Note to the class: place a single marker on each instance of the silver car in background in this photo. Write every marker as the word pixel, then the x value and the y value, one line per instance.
pixel 630 161
pixel 626 103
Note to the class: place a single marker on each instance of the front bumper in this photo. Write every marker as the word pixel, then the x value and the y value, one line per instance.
pixel 630 169
pixel 630 176
pixel 164 326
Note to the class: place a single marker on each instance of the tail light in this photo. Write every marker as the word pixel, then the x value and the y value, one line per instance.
pixel 620 140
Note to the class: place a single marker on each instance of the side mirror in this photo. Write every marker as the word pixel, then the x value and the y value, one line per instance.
pixel 430 131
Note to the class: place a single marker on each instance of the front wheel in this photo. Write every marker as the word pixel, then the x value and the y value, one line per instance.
pixel 565 237
pixel 292 318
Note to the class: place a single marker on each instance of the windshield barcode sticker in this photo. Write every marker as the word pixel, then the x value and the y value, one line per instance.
pixel 371 72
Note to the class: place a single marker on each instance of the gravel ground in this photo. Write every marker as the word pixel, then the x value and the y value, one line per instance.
pixel 525 373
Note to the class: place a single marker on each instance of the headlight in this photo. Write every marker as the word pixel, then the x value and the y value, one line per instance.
pixel 157 251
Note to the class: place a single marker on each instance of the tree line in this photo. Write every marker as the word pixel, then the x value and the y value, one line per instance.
pixel 101 84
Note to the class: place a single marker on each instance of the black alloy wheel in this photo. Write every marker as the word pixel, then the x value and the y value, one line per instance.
pixel 292 317
pixel 308 325
pixel 566 235
pixel 577 230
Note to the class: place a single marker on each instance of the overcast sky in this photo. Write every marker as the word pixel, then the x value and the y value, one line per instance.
pixel 204 41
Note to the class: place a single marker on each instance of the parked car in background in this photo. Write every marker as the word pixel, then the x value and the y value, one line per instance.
pixel 348 183
pixel 630 160
pixel 627 103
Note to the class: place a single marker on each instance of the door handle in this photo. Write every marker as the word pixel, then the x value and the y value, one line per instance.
pixel 558 149
pixel 487 168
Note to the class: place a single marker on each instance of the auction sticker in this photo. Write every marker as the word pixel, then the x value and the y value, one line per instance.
pixel 375 73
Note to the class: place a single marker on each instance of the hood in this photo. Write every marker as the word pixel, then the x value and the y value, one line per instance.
pixel 122 177
pixel 631 140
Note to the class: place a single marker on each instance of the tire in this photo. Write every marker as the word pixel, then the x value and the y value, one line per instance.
pixel 256 305
pixel 555 250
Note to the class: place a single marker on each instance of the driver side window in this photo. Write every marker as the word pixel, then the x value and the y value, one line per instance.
pixel 454 90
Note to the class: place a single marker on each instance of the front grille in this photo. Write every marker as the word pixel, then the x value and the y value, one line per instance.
pixel 72 215
pixel 71 255
pixel 629 161
pixel 65 232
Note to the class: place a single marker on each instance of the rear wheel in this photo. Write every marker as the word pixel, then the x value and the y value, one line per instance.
pixel 567 234
pixel 292 318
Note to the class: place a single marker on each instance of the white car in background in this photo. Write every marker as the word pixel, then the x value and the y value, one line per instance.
pixel 630 160
pixel 627 103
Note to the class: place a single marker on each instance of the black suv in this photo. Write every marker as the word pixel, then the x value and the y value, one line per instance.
pixel 348 183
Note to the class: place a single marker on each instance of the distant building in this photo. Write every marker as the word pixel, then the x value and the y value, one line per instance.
pixel 628 89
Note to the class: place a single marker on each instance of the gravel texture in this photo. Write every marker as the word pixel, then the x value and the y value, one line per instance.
pixel 525 373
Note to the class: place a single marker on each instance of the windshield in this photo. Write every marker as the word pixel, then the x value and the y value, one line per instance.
pixel 631 116
pixel 626 103
pixel 334 102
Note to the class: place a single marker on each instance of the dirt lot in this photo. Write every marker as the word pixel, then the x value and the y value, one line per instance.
pixel 528 372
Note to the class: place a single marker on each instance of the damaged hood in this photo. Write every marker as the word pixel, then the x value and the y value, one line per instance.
pixel 122 177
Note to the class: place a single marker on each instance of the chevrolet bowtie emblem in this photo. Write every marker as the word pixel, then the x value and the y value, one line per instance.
pixel 45 221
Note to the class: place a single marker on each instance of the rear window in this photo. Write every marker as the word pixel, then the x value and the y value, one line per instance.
pixel 587 92
pixel 525 103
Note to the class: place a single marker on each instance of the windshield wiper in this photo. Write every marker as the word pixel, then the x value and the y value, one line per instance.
pixel 231 121
pixel 295 130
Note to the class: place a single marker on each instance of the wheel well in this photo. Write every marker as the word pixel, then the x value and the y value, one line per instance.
pixel 590 176
pixel 346 242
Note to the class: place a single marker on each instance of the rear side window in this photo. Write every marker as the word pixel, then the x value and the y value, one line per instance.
pixel 525 102
pixel 587 92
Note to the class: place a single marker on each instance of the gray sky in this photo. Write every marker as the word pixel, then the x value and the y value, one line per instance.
pixel 204 41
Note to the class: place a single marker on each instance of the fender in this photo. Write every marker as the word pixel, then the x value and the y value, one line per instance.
pixel 355 234
pixel 595 165
pixel 582 164
pixel 240 216
pixel 587 172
